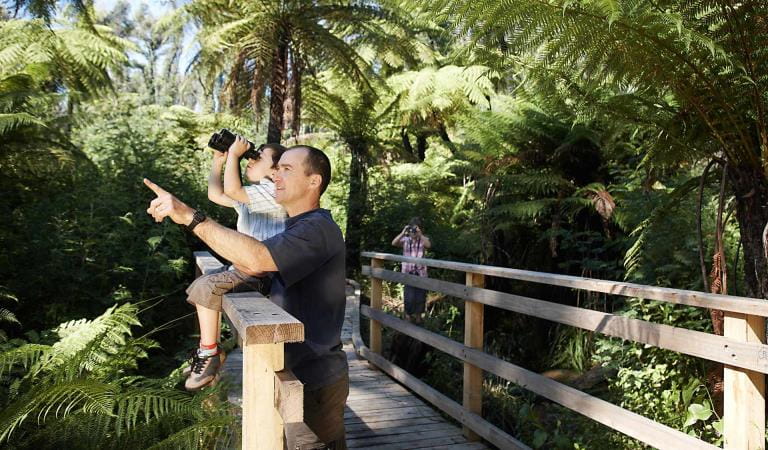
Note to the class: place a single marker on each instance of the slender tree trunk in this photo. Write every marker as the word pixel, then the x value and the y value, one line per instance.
pixel 443 132
pixel 277 92
pixel 421 146
pixel 750 187
pixel 358 193
pixel 296 83
pixel 406 141
pixel 233 102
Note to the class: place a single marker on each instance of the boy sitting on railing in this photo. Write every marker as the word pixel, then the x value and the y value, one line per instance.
pixel 259 216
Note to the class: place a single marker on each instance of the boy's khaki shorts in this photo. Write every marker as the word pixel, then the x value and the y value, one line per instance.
pixel 207 290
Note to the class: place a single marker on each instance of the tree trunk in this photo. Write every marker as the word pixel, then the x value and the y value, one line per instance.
pixel 233 85
pixel 294 97
pixel 358 193
pixel 277 92
pixel 406 141
pixel 421 146
pixel 750 187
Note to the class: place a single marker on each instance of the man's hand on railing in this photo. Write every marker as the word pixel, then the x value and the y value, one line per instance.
pixel 166 205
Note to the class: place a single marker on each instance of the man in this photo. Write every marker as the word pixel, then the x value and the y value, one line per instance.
pixel 307 262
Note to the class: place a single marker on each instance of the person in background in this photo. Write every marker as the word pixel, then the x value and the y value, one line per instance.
pixel 258 216
pixel 414 243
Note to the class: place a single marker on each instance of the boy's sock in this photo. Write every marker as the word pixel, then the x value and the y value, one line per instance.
pixel 208 350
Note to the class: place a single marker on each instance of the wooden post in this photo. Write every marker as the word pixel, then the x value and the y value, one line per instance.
pixel 473 337
pixel 744 390
pixel 375 332
pixel 262 426
pixel 263 328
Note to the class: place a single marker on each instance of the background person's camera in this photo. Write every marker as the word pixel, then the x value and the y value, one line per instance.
pixel 222 140
pixel 410 230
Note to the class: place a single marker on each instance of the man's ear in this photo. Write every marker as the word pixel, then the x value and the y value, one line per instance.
pixel 315 180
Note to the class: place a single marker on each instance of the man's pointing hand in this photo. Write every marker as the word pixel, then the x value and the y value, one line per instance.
pixel 166 205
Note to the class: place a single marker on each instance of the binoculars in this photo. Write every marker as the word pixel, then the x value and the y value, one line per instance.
pixel 223 139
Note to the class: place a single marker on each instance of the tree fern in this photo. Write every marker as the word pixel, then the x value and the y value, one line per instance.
pixel 695 71
pixel 79 383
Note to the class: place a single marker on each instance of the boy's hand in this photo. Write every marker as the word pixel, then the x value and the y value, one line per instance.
pixel 166 205
pixel 238 147
pixel 219 158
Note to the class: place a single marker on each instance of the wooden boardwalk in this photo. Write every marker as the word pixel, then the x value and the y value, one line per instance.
pixel 380 413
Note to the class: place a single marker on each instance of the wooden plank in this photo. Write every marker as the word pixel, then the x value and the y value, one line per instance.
pixel 375 328
pixel 746 305
pixel 410 438
pixel 383 404
pixel 206 263
pixel 289 396
pixel 298 436
pixel 262 426
pixel 619 419
pixel 485 429
pixel 744 390
pixel 463 446
pixel 376 388
pixel 404 433
pixel 440 442
pixel 259 321
pixel 392 423
pixel 402 413
pixel 722 349
pixel 472 394
pixel 374 395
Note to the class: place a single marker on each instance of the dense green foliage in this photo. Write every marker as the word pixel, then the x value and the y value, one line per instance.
pixel 577 137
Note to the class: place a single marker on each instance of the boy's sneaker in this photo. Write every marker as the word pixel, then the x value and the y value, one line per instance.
pixel 190 357
pixel 203 370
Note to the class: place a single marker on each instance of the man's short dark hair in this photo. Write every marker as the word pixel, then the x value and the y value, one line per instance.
pixel 316 163
pixel 277 152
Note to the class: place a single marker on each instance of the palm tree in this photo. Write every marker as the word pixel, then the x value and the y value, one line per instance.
pixel 697 71
pixel 271 45
pixel 39 67
pixel 429 99
pixel 46 9
pixel 354 118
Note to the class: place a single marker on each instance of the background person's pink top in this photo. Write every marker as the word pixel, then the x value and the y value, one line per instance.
pixel 415 249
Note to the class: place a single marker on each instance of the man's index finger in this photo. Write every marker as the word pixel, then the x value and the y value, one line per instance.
pixel 155 188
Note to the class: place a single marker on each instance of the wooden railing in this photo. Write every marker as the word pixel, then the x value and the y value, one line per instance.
pixel 742 350
pixel 273 399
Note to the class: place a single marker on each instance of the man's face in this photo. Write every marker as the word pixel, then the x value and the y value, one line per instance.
pixel 291 179
pixel 260 168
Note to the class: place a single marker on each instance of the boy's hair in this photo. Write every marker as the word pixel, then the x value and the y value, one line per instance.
pixel 277 152
pixel 316 163
pixel 415 222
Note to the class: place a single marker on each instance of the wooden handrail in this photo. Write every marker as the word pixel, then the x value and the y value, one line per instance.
pixel 273 398
pixel 742 348
pixel 748 355
pixel 744 305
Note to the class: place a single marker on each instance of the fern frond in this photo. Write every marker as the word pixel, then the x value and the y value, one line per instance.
pixel 25 356
pixel 200 435
pixel 634 256
pixel 60 400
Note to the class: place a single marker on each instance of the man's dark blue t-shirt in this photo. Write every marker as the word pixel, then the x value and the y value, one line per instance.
pixel 310 285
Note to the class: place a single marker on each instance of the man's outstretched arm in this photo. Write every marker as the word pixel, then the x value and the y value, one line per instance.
pixel 245 252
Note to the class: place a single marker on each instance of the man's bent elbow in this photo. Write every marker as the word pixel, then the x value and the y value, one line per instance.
pixel 250 270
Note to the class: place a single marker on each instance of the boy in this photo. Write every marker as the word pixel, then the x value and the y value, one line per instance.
pixel 259 216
